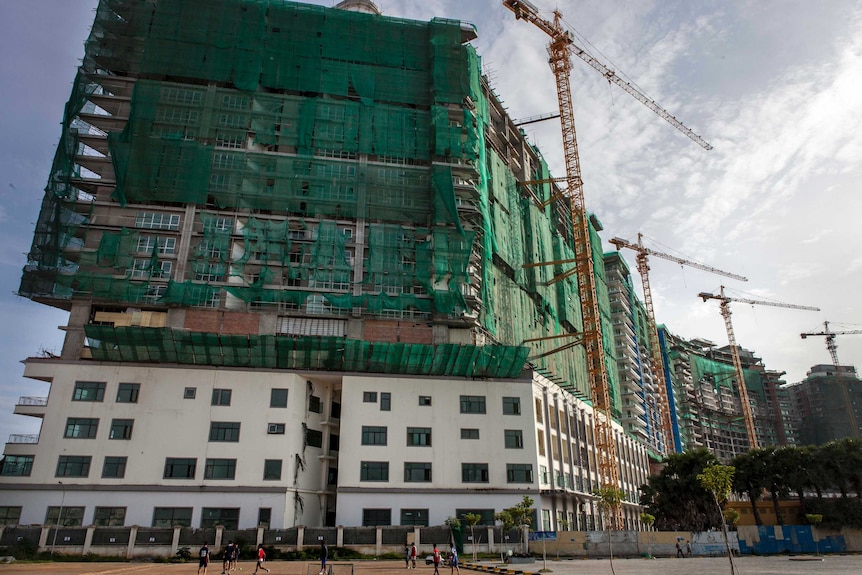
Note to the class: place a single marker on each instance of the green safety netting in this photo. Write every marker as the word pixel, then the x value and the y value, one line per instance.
pixel 723 374
pixel 291 118
pixel 165 345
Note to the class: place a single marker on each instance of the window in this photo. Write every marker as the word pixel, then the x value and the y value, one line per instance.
pixel 275 429
pixel 264 517
pixel 180 468
pixel 373 435
pixel 474 473
pixel 511 406
pixel 221 397
pixel 172 517
pixel 10 515
pixel 539 415
pixel 65 516
pixel 472 404
pixel 332 476
pixel 374 517
pixel 114 467
pixel 519 473
pixel 315 405
pixel 374 471
pixel 165 245
pixel 414 517
pixel 487 515
pixel 369 396
pixel 540 438
pixel 121 428
pixel 212 516
pixel 385 401
pixel 17 465
pixel 278 397
pixel 73 466
pixel 224 431
pixel 89 391
pixel 424 400
pixel 417 472
pixel 81 428
pixel 153 221
pixel 334 442
pixel 313 438
pixel 220 469
pixel 128 392
pixel 272 469
pixel 514 439
pixel 419 436
pixel 190 392
pixel 109 516
pixel 469 433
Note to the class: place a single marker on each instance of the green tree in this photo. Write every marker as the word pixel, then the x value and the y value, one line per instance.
pixel 675 497
pixel 750 477
pixel 815 519
pixel 853 457
pixel 472 519
pixel 797 471
pixel 520 516
pixel 648 520
pixel 717 479
pixel 836 461
pixel 610 500
pixel 777 471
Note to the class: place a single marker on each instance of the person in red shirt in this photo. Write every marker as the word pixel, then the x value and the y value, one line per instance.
pixel 435 556
pixel 261 557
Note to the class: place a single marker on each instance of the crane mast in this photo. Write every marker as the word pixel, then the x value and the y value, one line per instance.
pixel 832 347
pixel 643 269
pixel 592 328
pixel 724 303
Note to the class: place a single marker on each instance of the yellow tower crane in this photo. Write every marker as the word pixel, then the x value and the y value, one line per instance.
pixel 833 351
pixel 560 49
pixel 658 365
pixel 734 351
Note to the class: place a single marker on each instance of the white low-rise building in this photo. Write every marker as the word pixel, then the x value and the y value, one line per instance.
pixel 159 445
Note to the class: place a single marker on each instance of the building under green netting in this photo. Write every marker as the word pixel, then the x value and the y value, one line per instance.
pixel 306 172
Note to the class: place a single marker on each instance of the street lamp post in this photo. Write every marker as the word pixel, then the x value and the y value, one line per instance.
pixel 59 517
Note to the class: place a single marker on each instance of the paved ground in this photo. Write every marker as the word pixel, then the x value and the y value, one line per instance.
pixel 832 565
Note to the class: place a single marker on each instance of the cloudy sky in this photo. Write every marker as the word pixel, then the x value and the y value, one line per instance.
pixel 774 86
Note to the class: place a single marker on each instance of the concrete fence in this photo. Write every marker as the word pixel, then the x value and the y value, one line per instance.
pixel 136 541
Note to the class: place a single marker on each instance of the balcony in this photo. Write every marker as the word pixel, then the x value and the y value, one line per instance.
pixel 32 406
pixel 23 438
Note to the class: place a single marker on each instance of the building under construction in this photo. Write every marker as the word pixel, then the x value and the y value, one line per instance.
pixel 291 242
pixel 829 404
pixel 707 409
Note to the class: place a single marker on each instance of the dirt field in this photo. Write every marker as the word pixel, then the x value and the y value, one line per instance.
pixel 833 565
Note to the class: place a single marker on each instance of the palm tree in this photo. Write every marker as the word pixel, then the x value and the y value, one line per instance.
pixel 797 468
pixel 776 479
pixel 749 478
pixel 836 461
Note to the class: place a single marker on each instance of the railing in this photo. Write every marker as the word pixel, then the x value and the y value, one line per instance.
pixel 32 400
pixel 23 438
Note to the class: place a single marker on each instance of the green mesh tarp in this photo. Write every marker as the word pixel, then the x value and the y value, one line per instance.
pixel 164 345
pixel 723 374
